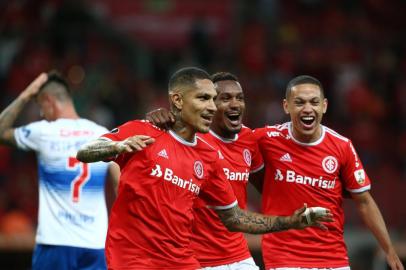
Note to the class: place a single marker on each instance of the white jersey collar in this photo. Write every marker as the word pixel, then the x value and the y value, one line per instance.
pixel 323 133
pixel 225 140
pixel 181 140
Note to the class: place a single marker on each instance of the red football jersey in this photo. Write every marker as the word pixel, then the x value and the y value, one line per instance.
pixel 316 174
pixel 213 244
pixel 150 223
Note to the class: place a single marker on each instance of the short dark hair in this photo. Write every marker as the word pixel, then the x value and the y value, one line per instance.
pixel 56 77
pixel 57 86
pixel 303 79
pixel 223 76
pixel 187 77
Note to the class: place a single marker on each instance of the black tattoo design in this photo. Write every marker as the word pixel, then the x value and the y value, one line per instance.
pixel 98 150
pixel 239 220
pixel 7 119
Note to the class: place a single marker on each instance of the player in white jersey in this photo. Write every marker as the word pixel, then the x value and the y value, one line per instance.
pixel 72 215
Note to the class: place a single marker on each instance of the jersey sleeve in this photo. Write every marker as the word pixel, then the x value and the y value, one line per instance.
pixel 353 174
pixel 259 134
pixel 123 132
pixel 126 130
pixel 28 136
pixel 257 161
pixel 217 191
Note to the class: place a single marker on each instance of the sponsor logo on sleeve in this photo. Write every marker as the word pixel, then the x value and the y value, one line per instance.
pixel 273 134
pixel 360 176
pixel 329 164
pixel 355 155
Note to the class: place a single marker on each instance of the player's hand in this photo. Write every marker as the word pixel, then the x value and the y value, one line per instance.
pixel 393 261
pixel 134 143
pixel 311 216
pixel 34 87
pixel 161 118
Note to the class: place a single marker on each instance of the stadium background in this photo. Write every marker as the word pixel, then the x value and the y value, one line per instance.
pixel 118 55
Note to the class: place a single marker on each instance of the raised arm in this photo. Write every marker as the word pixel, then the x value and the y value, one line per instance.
pixel 238 220
pixel 161 118
pixel 372 217
pixel 10 114
pixel 103 149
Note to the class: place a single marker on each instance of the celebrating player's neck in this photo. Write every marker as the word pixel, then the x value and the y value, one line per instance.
pixel 223 132
pixel 305 136
pixel 184 131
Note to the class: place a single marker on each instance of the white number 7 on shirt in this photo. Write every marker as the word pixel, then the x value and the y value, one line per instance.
pixel 80 180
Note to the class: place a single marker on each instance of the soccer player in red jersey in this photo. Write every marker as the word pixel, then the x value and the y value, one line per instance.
pixel 162 173
pixel 308 162
pixel 215 247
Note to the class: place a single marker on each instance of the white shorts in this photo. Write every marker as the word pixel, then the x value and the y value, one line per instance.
pixel 247 264
pixel 299 268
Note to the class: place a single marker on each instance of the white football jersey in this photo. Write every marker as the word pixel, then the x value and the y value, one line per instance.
pixel 72 208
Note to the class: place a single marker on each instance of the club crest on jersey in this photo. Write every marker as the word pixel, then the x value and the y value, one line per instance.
pixel 198 167
pixel 247 156
pixel 329 164
pixel 360 176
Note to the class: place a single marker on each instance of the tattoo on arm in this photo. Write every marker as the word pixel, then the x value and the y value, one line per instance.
pixel 97 150
pixel 7 119
pixel 239 220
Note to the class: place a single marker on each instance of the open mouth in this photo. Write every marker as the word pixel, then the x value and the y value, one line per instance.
pixel 308 121
pixel 234 118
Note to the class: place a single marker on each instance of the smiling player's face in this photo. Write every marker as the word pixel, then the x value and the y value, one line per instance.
pixel 306 106
pixel 230 108
pixel 198 106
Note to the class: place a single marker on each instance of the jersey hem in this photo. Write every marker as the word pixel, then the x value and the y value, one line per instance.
pixel 225 206
pixel 215 263
pixel 306 265
pixel 69 245
pixel 195 267
pixel 359 190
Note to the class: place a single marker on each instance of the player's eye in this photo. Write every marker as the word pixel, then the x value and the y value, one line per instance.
pixel 204 97
pixel 225 97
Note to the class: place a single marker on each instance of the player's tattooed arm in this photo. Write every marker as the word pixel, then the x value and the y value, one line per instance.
pixel 9 115
pixel 238 220
pixel 101 149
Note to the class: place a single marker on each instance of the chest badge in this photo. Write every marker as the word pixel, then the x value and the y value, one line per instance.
pixel 247 156
pixel 198 167
pixel 329 164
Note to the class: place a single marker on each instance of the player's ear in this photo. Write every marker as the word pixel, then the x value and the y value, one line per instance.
pixel 325 103
pixel 176 100
pixel 285 106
